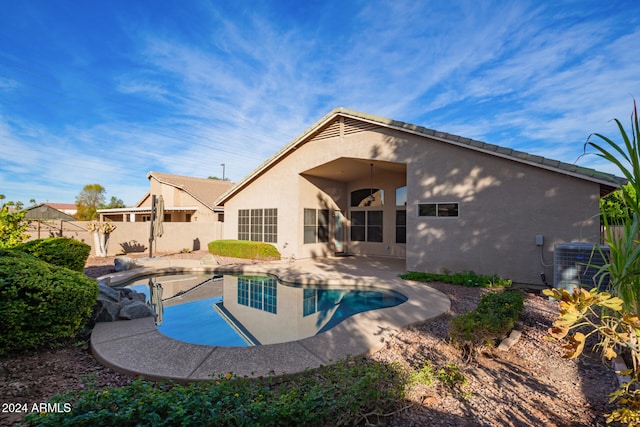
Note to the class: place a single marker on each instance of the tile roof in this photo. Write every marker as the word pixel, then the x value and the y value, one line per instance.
pixel 204 190
pixel 608 182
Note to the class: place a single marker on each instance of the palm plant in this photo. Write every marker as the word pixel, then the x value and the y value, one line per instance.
pixel 624 261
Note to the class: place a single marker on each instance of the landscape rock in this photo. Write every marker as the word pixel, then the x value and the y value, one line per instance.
pixel 135 310
pixel 124 263
pixel 108 293
pixel 111 303
pixel 105 311
pixel 209 260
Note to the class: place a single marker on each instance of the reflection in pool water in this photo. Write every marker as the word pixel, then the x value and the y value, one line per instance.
pixel 240 310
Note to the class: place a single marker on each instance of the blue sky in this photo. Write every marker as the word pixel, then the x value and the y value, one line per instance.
pixel 104 92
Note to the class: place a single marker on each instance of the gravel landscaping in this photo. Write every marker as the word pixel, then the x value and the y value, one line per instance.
pixel 531 384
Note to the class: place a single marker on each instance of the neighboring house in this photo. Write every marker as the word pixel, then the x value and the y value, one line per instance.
pixel 68 208
pixel 358 184
pixel 186 199
pixel 48 211
pixel 45 220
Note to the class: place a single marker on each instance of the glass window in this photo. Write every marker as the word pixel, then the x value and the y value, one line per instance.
pixel 401 226
pixel 438 209
pixel 374 226
pixel 243 224
pixel 367 197
pixel 323 225
pixel 358 226
pixel 427 209
pixel 310 222
pixel 316 225
pixel 401 196
pixel 366 226
pixel 256 225
pixel 271 225
pixel 447 209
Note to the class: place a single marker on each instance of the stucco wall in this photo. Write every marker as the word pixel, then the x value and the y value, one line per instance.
pixel 134 236
pixel 503 204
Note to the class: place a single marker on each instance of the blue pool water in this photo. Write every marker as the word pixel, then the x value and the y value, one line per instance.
pixel 238 310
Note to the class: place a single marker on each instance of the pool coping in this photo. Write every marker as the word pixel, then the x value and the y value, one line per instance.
pixel 137 347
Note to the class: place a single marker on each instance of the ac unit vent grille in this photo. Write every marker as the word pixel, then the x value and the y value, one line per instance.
pixel 578 264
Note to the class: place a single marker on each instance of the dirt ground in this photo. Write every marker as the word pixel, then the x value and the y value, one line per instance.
pixel 529 385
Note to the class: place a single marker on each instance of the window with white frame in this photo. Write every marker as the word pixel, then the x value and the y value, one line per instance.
pixel 258 225
pixel 366 226
pixel 243 224
pixel 271 225
pixel 316 225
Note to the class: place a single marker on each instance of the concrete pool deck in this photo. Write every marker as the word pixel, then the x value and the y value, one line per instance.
pixel 137 347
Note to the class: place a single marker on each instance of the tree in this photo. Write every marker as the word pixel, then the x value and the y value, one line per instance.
pixel 88 201
pixel 114 203
pixel 12 226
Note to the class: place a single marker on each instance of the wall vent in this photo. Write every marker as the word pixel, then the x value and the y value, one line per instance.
pixel 578 263
pixel 330 131
pixel 355 126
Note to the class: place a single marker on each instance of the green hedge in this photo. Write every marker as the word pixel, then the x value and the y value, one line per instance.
pixel 244 249
pixel 42 305
pixel 494 317
pixel 59 251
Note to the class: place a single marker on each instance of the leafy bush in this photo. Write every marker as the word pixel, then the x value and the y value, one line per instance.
pixel 13 227
pixel 466 278
pixel 42 304
pixel 494 317
pixel 347 393
pixel 60 251
pixel 244 249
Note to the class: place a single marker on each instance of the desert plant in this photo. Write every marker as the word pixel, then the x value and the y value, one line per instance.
pixel 612 317
pixel 42 304
pixel 60 251
pixel 244 249
pixel 494 317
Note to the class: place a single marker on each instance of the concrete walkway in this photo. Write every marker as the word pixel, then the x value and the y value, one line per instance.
pixel 137 347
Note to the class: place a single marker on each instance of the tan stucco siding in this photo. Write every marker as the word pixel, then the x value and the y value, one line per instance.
pixel 503 204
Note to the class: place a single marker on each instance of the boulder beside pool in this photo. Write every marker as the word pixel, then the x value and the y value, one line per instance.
pixel 124 263
pixel 118 304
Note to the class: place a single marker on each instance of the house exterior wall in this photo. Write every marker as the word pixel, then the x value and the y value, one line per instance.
pixel 503 204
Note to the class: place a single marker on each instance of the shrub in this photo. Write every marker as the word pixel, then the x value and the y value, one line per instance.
pixel 60 251
pixel 42 304
pixel 466 278
pixel 347 393
pixel 244 249
pixel 494 317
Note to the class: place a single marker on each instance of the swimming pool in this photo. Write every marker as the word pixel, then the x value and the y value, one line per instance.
pixel 244 310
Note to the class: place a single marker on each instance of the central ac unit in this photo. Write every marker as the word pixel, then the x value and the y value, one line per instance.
pixel 579 264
